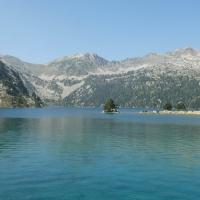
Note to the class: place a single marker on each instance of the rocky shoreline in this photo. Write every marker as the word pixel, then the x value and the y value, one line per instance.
pixel 166 112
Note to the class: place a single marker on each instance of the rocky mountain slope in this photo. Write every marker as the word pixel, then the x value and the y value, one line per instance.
pixel 149 81
pixel 88 79
pixel 13 92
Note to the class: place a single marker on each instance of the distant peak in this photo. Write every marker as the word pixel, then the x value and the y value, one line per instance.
pixel 88 57
pixel 9 57
pixel 187 50
pixel 85 55
pixel 152 54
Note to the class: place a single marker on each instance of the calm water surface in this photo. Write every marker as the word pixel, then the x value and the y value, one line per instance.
pixel 72 154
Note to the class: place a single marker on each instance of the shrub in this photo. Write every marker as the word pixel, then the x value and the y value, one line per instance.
pixel 168 106
pixel 180 106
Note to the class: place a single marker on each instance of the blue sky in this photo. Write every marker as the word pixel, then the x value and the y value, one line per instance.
pixel 41 30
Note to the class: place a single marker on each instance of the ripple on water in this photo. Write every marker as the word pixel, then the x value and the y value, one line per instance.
pixel 83 154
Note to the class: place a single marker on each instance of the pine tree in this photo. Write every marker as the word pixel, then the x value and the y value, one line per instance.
pixel 110 106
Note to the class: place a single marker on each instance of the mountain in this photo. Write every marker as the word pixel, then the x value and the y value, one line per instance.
pixel 77 65
pixel 88 79
pixel 22 66
pixel 13 92
pixel 152 80
pixel 57 79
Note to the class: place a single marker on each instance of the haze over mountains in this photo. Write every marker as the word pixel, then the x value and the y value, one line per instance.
pixel 88 80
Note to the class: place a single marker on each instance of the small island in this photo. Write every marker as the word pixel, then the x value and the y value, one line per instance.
pixel 110 107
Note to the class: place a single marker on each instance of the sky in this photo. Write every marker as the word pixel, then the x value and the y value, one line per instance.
pixel 39 31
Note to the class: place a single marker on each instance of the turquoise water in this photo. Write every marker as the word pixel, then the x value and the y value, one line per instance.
pixel 75 154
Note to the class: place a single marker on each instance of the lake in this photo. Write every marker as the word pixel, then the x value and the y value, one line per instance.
pixel 83 154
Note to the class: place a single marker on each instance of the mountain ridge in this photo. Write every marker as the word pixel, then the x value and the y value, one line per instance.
pixel 88 79
pixel 181 50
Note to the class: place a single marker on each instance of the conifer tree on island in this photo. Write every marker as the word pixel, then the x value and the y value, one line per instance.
pixel 110 106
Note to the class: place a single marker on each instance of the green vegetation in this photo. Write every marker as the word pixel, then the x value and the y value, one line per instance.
pixel 194 104
pixel 180 106
pixel 110 106
pixel 37 100
pixel 168 106
pixel 137 89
